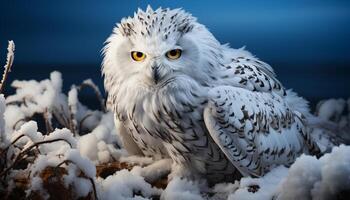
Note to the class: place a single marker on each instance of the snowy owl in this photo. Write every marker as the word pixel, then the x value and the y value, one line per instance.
pixel 219 113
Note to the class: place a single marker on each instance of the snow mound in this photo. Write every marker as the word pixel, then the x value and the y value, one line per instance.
pixel 323 178
pixel 124 185
pixel 182 189
pixel 308 178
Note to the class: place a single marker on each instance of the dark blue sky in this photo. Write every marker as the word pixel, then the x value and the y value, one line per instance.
pixel 301 39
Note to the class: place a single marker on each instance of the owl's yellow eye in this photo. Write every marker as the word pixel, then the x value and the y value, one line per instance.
pixel 138 56
pixel 173 54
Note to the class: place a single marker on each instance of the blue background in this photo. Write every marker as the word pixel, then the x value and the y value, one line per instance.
pixel 307 42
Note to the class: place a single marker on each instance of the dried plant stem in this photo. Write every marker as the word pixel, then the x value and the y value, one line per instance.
pixel 48 124
pixel 91 84
pixel 15 125
pixel 12 143
pixel 72 109
pixel 72 125
pixel 83 120
pixel 60 116
pixel 8 65
pixel 21 155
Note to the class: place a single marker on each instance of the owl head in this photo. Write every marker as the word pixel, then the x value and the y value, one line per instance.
pixel 155 48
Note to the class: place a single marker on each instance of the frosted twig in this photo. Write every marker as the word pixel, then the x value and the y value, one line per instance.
pixel 12 143
pixel 47 117
pixel 73 109
pixel 61 118
pixel 72 125
pixel 16 102
pixel 83 120
pixel 91 84
pixel 8 65
pixel 15 125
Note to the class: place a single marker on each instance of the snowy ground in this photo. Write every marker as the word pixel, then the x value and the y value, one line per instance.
pixel 49 137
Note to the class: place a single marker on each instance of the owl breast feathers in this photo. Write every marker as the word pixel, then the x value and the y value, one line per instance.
pixel 219 113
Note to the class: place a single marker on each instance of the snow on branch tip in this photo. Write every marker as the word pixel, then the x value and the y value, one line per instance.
pixel 9 62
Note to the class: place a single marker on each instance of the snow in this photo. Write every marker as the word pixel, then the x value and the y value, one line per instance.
pixel 38 96
pixel 78 163
pixel 137 160
pixel 73 99
pixel 64 134
pixel 268 185
pixel 335 173
pixel 46 97
pixel 331 108
pixel 73 104
pixel 103 154
pixel 320 178
pixel 81 186
pixel 56 81
pixel 13 116
pixel 302 173
pixel 42 162
pixel 182 189
pixel 87 146
pixel 123 185
pixel 153 171
pixel 99 144
pixel 223 190
pixel 307 178
pixel 29 129
pixel 35 97
pixel 10 53
pixel 96 142
pixel 84 164
pixel 331 125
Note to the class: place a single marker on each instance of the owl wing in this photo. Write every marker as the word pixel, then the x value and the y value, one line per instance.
pixel 255 130
pixel 246 71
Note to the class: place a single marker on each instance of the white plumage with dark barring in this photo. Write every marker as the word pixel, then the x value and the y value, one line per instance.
pixel 217 112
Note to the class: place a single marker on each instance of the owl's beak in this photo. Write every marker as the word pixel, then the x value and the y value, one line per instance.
pixel 155 73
